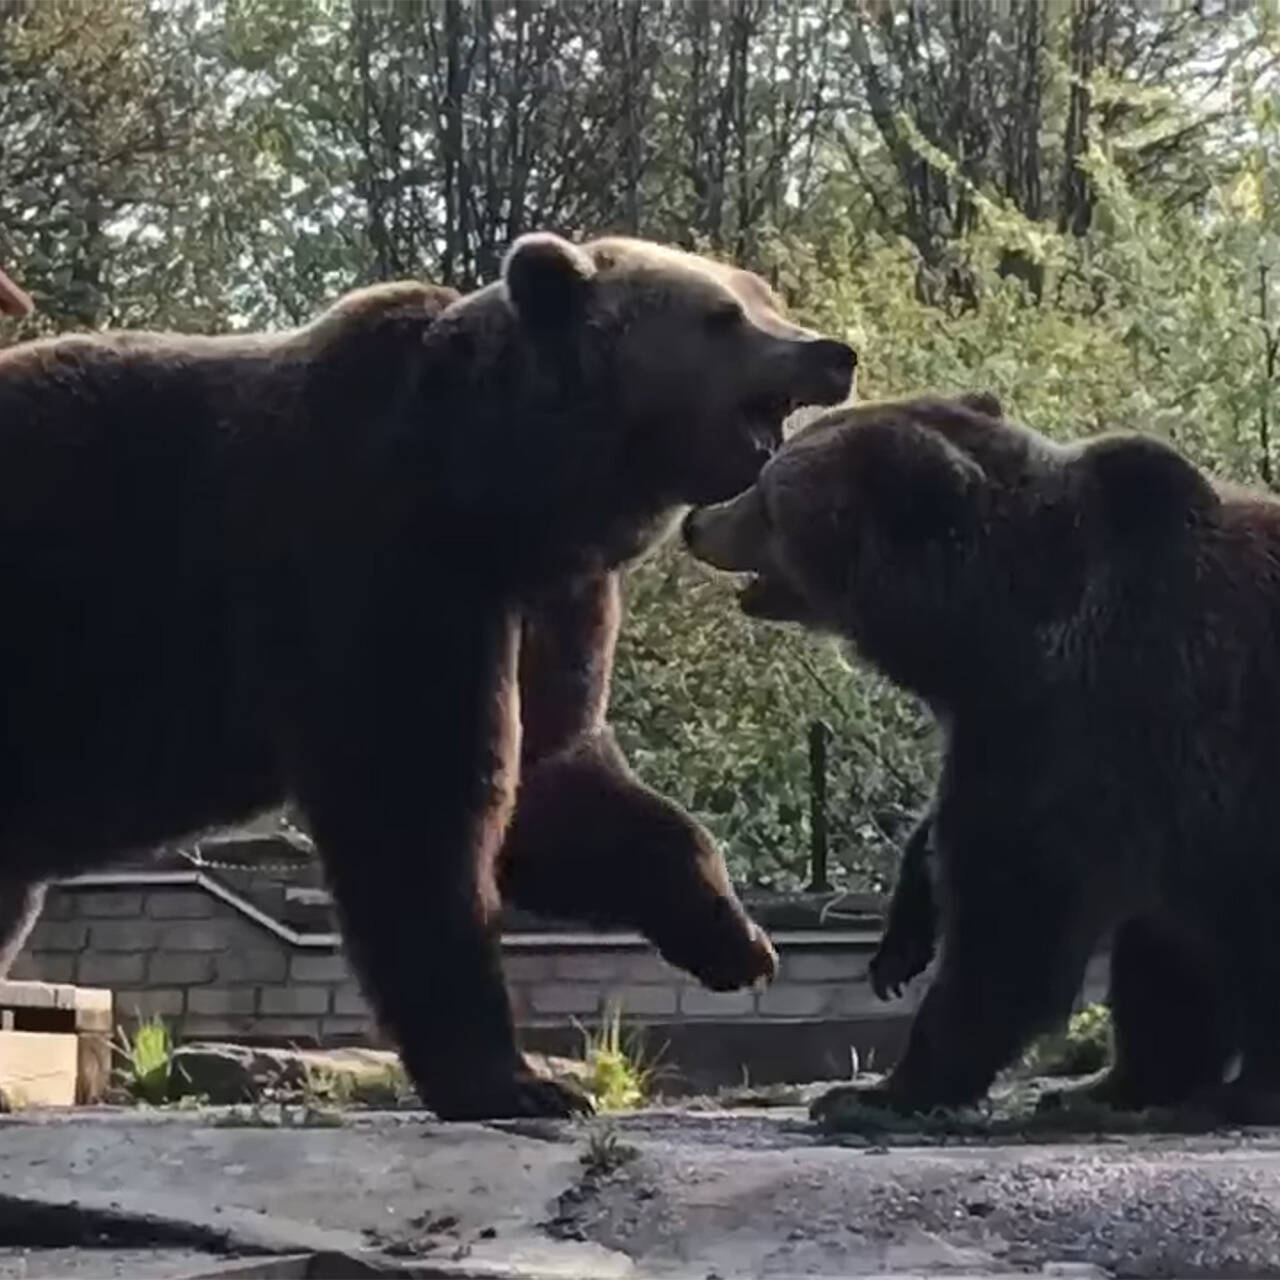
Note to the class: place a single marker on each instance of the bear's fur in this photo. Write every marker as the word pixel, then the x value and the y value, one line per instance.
pixel 910 934
pixel 1097 628
pixel 581 814
pixel 242 568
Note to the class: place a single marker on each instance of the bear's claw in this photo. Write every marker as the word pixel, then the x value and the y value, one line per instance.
pixel 525 1095
pixel 894 965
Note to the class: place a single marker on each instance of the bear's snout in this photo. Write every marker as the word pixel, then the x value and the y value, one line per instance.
pixel 729 535
pixel 830 366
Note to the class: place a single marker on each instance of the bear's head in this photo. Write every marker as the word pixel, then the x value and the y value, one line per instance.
pixel 630 379
pixel 963 555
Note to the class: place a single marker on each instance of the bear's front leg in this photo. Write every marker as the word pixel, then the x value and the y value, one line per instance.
pixel 1019 934
pixel 907 944
pixel 589 841
pixel 406 754
pixel 568 638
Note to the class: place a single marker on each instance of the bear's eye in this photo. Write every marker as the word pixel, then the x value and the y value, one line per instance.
pixel 724 316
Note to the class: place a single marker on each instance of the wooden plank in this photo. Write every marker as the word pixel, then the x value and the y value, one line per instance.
pixel 54 1005
pixel 38 1068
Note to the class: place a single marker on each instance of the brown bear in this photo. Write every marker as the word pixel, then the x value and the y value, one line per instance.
pixel 244 568
pixel 1097 629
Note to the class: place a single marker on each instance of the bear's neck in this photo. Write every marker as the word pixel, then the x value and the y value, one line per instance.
pixel 529 455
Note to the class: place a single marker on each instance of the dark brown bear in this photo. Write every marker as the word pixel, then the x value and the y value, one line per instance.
pixel 242 568
pixel 1097 628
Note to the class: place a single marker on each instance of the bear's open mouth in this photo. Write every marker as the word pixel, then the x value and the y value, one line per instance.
pixel 763 418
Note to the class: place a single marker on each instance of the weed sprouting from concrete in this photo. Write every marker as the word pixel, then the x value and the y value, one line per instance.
pixel 1079 1049
pixel 606 1153
pixel 620 1074
pixel 145 1068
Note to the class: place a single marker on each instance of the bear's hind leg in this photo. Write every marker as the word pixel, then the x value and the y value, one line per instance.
pixel 1253 1097
pixel 1170 1038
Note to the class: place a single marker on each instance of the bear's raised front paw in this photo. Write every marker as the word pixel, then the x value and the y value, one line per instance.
pixel 522 1095
pixel 897 960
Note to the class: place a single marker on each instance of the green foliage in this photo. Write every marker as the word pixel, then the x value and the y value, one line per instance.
pixel 619 1074
pixel 1081 1049
pixel 145 1067
pixel 723 728
pixel 606 1153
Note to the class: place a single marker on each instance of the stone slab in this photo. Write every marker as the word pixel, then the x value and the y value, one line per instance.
pixel 104 1264
pixel 373 1182
pixel 679 1194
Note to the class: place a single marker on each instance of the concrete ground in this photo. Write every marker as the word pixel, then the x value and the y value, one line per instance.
pixel 679 1194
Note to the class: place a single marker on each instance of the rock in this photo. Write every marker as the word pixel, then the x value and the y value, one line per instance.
pixel 573 1069
pixel 225 1074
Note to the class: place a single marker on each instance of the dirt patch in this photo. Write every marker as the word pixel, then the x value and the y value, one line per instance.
pixel 747 1194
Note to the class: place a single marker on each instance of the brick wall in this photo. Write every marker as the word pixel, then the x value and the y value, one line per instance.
pixel 218 968
pixel 816 979
pixel 185 953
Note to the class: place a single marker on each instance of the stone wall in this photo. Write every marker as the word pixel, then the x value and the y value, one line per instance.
pixel 177 947
pixel 181 945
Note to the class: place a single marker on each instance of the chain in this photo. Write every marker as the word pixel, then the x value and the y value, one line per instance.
pixel 199 860
pixel 296 837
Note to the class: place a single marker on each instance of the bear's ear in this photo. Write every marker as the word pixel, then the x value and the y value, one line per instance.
pixel 917 485
pixel 985 402
pixel 1144 486
pixel 547 279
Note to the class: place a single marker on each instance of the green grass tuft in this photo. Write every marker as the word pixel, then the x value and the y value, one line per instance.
pixel 620 1074
pixel 1080 1049
pixel 145 1067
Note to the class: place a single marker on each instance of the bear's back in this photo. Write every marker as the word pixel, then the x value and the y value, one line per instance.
pixel 122 655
